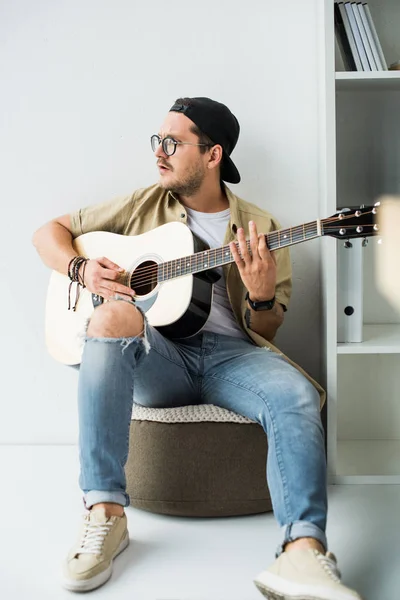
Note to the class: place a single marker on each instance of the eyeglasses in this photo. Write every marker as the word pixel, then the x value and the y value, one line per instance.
pixel 169 144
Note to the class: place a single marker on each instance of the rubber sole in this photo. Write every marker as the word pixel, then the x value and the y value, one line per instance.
pixel 274 588
pixel 86 585
pixel 274 595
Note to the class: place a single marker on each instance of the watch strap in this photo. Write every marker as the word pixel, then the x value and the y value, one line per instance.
pixel 260 305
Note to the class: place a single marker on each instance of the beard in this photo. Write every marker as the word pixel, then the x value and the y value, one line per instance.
pixel 189 184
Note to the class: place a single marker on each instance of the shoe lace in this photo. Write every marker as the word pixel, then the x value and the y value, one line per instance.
pixel 328 562
pixel 93 537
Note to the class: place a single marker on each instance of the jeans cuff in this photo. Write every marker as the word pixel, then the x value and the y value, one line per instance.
pixel 300 529
pixel 99 496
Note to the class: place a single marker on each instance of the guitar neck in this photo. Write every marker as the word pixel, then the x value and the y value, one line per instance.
pixel 217 257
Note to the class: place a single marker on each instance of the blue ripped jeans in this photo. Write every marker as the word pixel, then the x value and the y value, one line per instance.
pixel 212 369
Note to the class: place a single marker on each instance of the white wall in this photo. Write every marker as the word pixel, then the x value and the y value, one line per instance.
pixel 84 85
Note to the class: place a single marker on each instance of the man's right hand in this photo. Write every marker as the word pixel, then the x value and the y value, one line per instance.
pixel 101 277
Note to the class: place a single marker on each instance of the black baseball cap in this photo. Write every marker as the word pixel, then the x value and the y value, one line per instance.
pixel 215 120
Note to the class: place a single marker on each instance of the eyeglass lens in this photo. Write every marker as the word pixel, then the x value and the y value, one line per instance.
pixel 168 144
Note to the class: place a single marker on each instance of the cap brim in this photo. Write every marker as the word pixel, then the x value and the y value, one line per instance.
pixel 229 172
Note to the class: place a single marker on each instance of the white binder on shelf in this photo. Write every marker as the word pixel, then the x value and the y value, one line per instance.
pixel 350 291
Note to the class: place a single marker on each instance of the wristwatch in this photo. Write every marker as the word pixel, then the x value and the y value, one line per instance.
pixel 261 305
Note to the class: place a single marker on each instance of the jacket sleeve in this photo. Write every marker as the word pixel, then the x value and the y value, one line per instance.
pixel 108 216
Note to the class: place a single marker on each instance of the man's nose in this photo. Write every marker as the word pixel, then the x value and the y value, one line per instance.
pixel 160 152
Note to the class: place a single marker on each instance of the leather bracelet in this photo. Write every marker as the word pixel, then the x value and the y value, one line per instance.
pixel 73 273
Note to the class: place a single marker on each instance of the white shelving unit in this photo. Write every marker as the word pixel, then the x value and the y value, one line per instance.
pixel 360 161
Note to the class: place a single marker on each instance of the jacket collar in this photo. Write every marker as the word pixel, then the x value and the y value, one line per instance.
pixel 235 221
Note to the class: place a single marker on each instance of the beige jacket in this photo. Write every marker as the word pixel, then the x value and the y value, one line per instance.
pixel 151 207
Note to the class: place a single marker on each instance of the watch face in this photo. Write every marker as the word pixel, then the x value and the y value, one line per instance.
pixel 267 305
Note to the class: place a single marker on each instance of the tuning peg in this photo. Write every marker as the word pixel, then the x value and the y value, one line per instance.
pixel 348 244
pixel 364 242
pixel 374 211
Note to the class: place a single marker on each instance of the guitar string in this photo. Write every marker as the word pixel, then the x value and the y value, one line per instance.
pixel 195 261
pixel 152 272
pixel 273 237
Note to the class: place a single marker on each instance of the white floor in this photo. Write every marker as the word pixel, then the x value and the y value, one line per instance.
pixel 173 558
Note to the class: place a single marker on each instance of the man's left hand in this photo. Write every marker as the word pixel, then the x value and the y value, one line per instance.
pixel 257 267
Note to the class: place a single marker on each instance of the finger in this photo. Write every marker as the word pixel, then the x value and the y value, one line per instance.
pixel 117 288
pixel 253 240
pixel 109 274
pixel 236 256
pixel 262 247
pixel 105 262
pixel 243 245
pixel 110 294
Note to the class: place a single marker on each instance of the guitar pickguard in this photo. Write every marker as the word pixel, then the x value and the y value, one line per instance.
pixel 146 304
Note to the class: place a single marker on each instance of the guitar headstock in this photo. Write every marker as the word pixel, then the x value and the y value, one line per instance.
pixel 352 223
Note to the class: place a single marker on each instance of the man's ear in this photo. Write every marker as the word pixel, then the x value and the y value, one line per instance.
pixel 215 156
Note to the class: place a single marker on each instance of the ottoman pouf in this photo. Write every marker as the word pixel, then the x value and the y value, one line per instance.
pixel 197 461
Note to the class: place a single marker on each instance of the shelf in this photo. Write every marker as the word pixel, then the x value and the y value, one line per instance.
pixel 369 459
pixel 378 339
pixel 367 81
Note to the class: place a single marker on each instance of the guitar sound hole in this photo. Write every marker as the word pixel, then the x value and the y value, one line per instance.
pixel 144 278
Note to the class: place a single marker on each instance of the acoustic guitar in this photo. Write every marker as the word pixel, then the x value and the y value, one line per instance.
pixel 172 273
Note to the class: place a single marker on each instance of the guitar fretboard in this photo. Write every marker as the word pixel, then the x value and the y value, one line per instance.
pixel 217 257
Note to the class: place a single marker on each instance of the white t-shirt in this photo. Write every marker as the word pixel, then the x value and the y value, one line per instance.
pixel 211 228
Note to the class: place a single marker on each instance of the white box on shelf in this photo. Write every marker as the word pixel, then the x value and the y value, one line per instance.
pixel 350 291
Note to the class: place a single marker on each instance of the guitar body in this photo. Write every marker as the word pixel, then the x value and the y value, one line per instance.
pixel 179 308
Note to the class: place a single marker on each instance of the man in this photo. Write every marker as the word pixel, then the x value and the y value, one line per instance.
pixel 123 353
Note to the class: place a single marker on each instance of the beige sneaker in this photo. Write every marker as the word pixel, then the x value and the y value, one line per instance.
pixel 304 575
pixel 90 562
